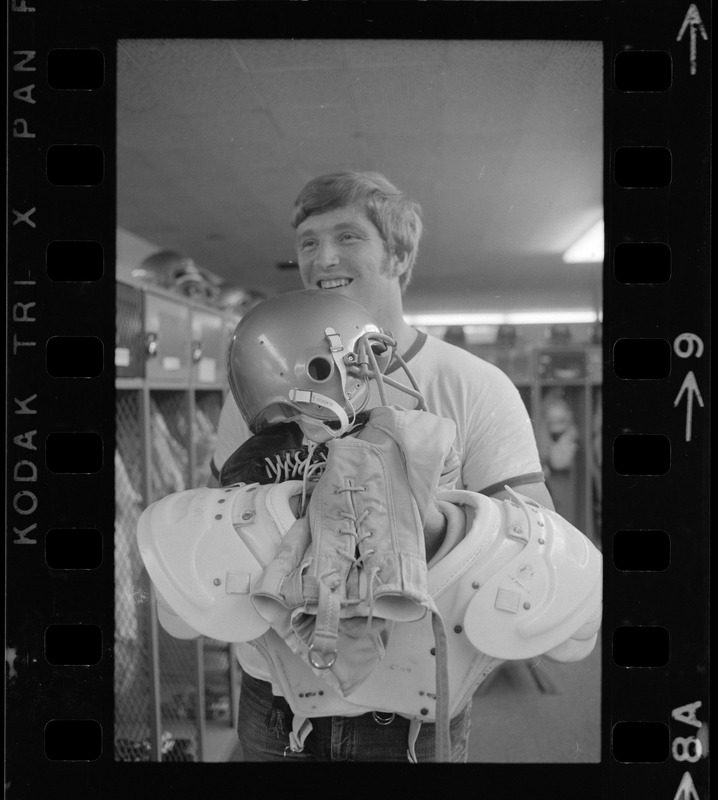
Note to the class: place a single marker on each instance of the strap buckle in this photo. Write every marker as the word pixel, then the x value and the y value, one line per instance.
pixel 335 340
pixel 321 663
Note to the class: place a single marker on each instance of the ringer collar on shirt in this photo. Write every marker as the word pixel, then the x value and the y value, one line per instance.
pixel 414 348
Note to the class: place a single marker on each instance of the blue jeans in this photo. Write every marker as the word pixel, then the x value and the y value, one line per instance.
pixel 265 722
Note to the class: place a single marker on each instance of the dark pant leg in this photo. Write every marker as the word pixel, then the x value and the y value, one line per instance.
pixel 264 724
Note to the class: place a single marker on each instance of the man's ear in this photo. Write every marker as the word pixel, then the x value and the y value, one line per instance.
pixel 399 265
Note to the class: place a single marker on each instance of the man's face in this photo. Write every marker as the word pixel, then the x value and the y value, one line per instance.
pixel 342 251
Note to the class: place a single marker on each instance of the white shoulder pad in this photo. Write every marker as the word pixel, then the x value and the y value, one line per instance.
pixel 203 550
pixel 541 596
pixel 171 622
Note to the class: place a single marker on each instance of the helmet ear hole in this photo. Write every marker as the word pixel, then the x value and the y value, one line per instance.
pixel 319 368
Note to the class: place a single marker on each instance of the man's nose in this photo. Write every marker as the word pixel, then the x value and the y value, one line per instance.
pixel 326 255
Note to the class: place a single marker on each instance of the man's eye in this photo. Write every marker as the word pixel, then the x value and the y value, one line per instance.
pixel 348 237
pixel 306 244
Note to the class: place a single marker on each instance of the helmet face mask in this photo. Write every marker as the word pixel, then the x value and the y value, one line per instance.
pixel 308 357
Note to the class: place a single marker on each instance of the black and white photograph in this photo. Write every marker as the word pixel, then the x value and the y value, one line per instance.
pixel 358 400
pixel 358 397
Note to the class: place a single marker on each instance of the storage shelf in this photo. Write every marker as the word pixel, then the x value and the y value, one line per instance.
pixel 166 431
pixel 588 381
pixel 129 383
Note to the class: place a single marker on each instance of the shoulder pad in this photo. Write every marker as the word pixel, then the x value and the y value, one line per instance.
pixel 541 596
pixel 204 549
pixel 171 622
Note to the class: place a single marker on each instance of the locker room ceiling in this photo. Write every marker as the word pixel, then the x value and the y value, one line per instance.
pixel 500 142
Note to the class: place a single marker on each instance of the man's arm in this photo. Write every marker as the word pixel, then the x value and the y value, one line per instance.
pixel 534 491
pixel 435 524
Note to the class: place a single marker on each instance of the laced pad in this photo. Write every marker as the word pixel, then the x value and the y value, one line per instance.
pixel 358 565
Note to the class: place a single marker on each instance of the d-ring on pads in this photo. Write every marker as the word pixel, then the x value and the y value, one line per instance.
pixel 204 549
pixel 543 595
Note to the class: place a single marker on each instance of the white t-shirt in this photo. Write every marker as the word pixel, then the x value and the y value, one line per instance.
pixel 494 439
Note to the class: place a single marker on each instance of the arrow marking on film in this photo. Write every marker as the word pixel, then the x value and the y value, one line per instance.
pixel 686 789
pixel 693 23
pixel 690 387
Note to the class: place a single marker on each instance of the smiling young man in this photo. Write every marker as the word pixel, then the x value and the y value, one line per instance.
pixel 342 250
pixel 358 235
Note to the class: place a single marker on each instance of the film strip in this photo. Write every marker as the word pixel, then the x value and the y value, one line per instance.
pixel 61 400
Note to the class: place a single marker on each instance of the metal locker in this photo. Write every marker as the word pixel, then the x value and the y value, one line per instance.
pixel 207 348
pixel 129 332
pixel 167 329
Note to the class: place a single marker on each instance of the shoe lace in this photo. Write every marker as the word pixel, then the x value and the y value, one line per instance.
pixel 293 464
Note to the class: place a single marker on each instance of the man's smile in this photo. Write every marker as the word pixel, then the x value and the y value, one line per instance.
pixel 333 283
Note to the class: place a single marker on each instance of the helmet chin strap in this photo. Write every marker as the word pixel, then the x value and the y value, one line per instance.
pixel 315 429
pixel 318 431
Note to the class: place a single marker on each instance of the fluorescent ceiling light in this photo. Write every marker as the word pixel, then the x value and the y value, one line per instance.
pixel 540 317
pixel 588 248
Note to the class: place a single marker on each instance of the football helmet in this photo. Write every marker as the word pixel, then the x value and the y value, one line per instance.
pixel 308 357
